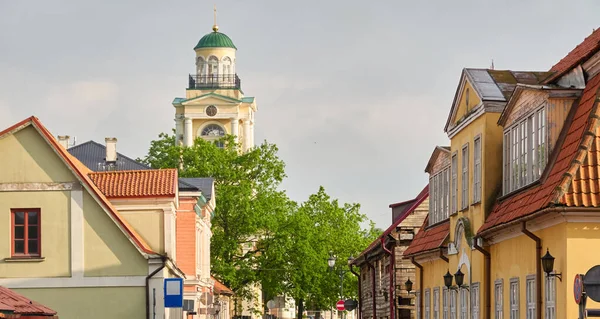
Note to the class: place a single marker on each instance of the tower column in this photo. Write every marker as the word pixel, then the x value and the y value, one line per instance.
pixel 178 131
pixel 247 145
pixel 252 134
pixel 234 128
pixel 189 136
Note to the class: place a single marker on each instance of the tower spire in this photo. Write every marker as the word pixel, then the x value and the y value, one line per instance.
pixel 215 26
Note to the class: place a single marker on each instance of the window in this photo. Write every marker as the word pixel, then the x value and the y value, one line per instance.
pixel 477 170
pixel 445 303
pixel 454 183
pixel 418 305
pixel 453 296
pixel 499 311
pixel 436 303
pixel 213 130
pixel 525 151
pixel 464 303
pixel 26 231
pixel 213 66
pixel 530 296
pixel 550 298
pixel 427 304
pixel 514 298
pixel 438 196
pixel 200 66
pixel 465 177
pixel 475 301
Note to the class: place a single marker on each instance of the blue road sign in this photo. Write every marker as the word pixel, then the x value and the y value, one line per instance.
pixel 173 292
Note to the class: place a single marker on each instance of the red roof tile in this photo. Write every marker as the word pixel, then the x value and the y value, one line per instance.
pixel 428 238
pixel 220 288
pixel 558 187
pixel 585 49
pixel 139 183
pixel 22 305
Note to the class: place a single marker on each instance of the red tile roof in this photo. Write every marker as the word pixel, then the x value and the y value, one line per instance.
pixel 584 50
pixel 139 183
pixel 13 301
pixel 417 201
pixel 428 239
pixel 557 187
pixel 82 172
pixel 220 288
pixel 584 190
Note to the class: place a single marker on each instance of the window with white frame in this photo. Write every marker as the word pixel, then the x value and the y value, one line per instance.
pixel 454 172
pixel 464 303
pixel 477 170
pixel 439 196
pixel 453 297
pixel 418 305
pixel 550 298
pixel 514 298
pixel 498 297
pixel 436 303
pixel 475 301
pixel 427 304
pixel 530 296
pixel 445 303
pixel 464 200
pixel 525 151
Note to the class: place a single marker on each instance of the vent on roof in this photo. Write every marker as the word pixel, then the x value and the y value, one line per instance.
pixel 64 140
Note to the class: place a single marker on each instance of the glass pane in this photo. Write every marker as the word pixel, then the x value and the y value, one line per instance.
pixel 19 247
pixel 32 232
pixel 32 218
pixel 19 218
pixel 19 232
pixel 33 246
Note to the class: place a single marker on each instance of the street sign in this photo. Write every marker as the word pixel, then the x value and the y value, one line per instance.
pixel 350 304
pixel 340 305
pixel 591 283
pixel 578 288
pixel 173 292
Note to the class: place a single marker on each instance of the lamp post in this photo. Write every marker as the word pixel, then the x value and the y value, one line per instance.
pixel 341 272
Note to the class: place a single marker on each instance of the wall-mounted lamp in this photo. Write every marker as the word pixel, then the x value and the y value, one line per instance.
pixel 459 277
pixel 548 265
pixel 409 285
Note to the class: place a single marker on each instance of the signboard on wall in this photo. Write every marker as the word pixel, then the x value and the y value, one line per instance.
pixel 173 292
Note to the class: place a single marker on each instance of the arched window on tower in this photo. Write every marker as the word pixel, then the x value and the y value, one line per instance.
pixel 227 70
pixel 200 66
pixel 213 67
pixel 213 132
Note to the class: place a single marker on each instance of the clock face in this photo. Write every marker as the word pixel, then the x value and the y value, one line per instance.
pixel 211 110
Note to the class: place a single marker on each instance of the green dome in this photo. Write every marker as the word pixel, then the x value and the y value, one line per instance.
pixel 215 40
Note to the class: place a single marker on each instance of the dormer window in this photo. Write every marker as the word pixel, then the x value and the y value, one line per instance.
pixel 439 196
pixel 525 151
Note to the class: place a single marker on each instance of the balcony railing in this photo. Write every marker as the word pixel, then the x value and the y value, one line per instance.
pixel 220 81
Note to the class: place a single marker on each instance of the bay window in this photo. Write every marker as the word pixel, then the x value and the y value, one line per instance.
pixel 439 196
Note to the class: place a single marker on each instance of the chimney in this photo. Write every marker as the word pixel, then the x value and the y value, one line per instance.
pixel 64 140
pixel 111 149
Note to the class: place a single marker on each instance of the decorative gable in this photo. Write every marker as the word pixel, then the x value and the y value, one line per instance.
pixel 439 160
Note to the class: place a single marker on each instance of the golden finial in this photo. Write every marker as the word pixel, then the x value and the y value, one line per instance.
pixel 215 26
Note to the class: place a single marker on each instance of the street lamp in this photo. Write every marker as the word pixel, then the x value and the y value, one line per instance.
pixel 459 277
pixel 548 265
pixel 342 272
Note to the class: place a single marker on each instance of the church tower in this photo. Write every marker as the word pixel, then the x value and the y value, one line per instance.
pixel 214 104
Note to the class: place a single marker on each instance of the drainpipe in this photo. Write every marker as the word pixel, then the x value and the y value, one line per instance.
pixel 486 277
pixel 412 260
pixel 359 291
pixel 164 263
pixel 373 287
pixel 391 276
pixel 538 268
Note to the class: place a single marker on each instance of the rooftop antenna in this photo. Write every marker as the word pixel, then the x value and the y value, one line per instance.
pixel 215 26
pixel 492 67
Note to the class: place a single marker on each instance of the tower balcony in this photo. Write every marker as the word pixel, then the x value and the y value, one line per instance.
pixel 217 81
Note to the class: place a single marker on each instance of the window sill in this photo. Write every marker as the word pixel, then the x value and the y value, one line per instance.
pixel 464 209
pixel 476 203
pixel 25 259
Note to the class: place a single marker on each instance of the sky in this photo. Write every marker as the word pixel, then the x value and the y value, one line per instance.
pixel 354 93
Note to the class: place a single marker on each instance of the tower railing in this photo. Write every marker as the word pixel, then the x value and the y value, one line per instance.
pixel 216 81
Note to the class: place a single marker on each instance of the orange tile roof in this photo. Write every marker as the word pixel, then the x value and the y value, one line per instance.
pixel 13 301
pixel 428 239
pixel 82 172
pixel 559 187
pixel 220 288
pixel 584 50
pixel 139 183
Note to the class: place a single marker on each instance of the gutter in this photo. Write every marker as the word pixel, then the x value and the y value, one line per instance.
pixel 486 277
pixel 412 260
pixel 556 209
pixel 372 287
pixel 391 276
pixel 164 264
pixel 538 268
pixel 359 291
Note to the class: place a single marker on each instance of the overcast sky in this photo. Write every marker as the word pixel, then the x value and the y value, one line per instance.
pixel 354 93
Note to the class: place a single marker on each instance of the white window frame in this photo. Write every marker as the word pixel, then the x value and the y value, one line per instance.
pixel 464 194
pixel 514 298
pixel 499 299
pixel 427 304
pixel 436 303
pixel 445 303
pixel 525 150
pixel 530 296
pixel 475 301
pixel 438 196
pixel 453 303
pixel 454 182
pixel 418 305
pixel 550 305
pixel 477 169
pixel 464 303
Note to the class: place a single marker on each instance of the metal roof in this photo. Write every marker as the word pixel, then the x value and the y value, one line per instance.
pixel 92 155
pixel 204 184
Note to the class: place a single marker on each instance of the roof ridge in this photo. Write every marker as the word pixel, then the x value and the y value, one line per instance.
pixel 148 171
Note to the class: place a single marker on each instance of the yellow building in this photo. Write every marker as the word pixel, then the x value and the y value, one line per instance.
pixel 215 104
pixel 65 245
pixel 522 177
